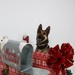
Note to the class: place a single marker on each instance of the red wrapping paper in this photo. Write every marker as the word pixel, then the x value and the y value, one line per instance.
pixel 40 59
pixel 60 59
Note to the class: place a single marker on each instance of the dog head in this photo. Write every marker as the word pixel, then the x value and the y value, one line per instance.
pixel 42 37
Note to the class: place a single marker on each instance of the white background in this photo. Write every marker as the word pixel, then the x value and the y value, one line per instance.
pixel 22 17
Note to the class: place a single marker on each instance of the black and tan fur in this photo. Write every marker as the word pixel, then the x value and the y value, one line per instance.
pixel 42 39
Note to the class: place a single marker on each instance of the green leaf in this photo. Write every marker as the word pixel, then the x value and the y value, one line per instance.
pixel 68 72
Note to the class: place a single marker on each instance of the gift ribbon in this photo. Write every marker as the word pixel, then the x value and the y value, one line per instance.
pixel 60 59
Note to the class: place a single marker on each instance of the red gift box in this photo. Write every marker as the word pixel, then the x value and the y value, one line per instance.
pixel 57 60
pixel 39 61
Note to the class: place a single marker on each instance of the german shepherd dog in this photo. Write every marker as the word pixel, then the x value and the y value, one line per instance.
pixel 42 39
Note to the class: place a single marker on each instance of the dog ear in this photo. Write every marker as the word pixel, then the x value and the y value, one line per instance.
pixel 39 28
pixel 47 30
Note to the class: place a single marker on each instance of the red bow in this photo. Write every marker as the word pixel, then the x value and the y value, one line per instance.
pixel 60 59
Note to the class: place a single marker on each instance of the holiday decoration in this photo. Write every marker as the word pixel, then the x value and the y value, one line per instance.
pixel 17 56
pixel 26 38
pixel 40 61
pixel 60 59
pixel 54 59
